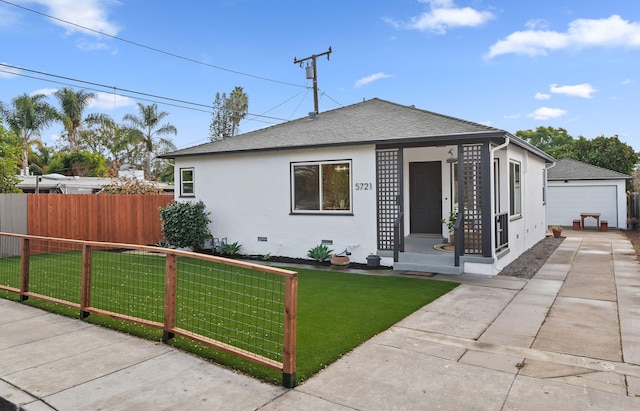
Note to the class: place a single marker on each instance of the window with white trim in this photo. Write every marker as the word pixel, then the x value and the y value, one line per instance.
pixel 187 182
pixel 321 187
pixel 515 189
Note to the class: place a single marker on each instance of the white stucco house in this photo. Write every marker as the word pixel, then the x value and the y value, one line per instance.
pixel 576 187
pixel 373 178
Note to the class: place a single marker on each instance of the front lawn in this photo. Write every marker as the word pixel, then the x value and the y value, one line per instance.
pixel 336 313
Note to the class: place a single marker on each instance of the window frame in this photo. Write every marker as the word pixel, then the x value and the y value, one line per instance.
pixel 183 193
pixel 321 199
pixel 515 189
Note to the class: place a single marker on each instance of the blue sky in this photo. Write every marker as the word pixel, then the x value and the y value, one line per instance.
pixel 512 65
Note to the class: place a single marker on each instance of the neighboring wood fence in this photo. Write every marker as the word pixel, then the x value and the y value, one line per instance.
pixel 13 213
pixel 118 218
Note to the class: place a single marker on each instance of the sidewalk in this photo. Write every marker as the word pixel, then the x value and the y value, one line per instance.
pixel 567 339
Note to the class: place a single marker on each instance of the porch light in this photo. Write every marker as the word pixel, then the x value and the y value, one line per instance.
pixel 451 158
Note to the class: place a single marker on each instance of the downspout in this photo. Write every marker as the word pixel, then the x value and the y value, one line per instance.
pixel 493 205
pixel 546 193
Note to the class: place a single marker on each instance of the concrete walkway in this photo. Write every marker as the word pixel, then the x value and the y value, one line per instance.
pixel 567 339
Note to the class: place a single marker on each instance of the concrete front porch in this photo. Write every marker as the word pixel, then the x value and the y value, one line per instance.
pixel 420 254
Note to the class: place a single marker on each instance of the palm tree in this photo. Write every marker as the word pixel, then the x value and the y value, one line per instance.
pixel 119 143
pixel 72 105
pixel 148 123
pixel 237 106
pixel 27 117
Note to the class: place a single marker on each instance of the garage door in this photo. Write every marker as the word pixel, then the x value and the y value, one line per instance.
pixel 565 204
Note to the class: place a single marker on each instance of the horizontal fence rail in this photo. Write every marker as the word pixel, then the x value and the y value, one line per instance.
pixel 248 310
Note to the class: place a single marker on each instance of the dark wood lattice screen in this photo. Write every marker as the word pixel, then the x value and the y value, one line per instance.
pixel 389 186
pixel 471 179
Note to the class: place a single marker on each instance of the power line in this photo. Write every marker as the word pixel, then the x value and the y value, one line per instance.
pixel 189 59
pixel 112 90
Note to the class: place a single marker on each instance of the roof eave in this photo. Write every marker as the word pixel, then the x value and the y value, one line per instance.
pixel 425 141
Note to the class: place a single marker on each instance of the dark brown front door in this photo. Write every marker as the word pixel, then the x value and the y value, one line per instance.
pixel 425 197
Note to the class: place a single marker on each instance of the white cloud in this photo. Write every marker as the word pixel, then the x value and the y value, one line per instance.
pixel 581 33
pixel 627 82
pixel 443 15
pixel 512 116
pixel 579 90
pixel 92 46
pixel 370 79
pixel 542 96
pixel 110 101
pixel 537 24
pixel 88 13
pixel 545 113
pixel 45 91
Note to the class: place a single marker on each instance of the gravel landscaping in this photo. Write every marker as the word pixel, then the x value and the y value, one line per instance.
pixel 528 264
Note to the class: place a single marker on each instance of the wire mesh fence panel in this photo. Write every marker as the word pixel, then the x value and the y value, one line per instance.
pixel 55 269
pixel 128 282
pixel 10 252
pixel 233 305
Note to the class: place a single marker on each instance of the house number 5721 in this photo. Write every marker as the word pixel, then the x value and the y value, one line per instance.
pixel 364 186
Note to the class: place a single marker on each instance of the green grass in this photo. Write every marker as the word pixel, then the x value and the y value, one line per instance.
pixel 336 311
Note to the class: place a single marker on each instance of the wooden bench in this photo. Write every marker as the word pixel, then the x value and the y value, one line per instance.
pixel 592 215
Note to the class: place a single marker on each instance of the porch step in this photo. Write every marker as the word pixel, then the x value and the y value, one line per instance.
pixel 429 263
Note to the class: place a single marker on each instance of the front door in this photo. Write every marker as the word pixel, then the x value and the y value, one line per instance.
pixel 425 197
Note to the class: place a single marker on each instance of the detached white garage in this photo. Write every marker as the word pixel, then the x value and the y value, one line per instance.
pixel 575 187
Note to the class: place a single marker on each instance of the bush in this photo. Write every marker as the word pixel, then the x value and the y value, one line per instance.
pixel 230 249
pixel 320 253
pixel 186 224
pixel 125 185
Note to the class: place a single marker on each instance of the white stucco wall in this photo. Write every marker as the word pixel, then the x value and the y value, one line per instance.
pixel 249 196
pixel 530 227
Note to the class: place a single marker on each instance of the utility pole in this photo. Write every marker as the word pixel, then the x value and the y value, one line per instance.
pixel 312 73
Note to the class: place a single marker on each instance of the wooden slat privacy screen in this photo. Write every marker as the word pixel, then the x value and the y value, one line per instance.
pixel 121 218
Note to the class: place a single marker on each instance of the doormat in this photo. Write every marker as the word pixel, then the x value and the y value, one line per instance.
pixel 419 273
pixel 444 247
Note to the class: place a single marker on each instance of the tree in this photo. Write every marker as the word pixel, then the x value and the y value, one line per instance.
pixel 547 139
pixel 79 163
pixel 148 123
pixel 72 105
pixel 605 152
pixel 9 160
pixel 221 125
pixel 119 143
pixel 227 114
pixel 27 117
pixel 238 105
pixel 40 157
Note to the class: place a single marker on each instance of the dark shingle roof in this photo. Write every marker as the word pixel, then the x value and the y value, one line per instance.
pixel 373 121
pixel 568 169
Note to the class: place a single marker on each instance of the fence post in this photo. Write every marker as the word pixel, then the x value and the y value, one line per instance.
pixel 85 290
pixel 171 269
pixel 290 314
pixel 24 270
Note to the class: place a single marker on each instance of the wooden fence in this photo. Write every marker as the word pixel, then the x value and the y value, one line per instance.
pixel 13 213
pixel 121 218
pixel 245 309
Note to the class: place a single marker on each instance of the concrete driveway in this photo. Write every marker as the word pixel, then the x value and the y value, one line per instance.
pixel 567 339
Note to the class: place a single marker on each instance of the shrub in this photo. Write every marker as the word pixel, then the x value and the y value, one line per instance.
pixel 320 253
pixel 125 185
pixel 186 224
pixel 230 249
